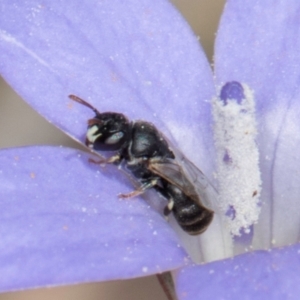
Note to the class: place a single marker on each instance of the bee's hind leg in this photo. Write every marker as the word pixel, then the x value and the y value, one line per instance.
pixel 168 208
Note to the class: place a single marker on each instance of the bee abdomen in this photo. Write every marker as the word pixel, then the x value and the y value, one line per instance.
pixel 192 217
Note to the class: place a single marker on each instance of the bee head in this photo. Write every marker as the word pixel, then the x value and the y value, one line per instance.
pixel 106 131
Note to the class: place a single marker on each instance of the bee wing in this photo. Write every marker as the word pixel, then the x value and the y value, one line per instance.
pixel 173 173
pixel 186 176
pixel 204 189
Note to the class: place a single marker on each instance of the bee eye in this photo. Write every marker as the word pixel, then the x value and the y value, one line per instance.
pixel 114 138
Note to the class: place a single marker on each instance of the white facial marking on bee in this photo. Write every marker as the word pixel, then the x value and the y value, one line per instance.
pixel 91 134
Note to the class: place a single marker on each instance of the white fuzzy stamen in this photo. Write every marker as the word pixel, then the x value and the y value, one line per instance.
pixel 238 171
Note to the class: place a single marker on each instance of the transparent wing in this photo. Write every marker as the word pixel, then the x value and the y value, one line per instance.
pixel 204 189
pixel 186 176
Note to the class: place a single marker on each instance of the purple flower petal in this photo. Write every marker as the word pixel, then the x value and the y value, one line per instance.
pixel 258 44
pixel 62 223
pixel 251 48
pixel 257 275
pixel 137 57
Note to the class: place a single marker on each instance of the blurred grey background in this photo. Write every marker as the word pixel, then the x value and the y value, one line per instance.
pixel 20 125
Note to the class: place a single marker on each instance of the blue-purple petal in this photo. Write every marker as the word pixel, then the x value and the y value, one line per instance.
pixel 136 57
pixel 258 275
pixel 62 223
pixel 258 44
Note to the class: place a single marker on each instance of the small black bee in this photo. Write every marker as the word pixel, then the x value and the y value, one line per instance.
pixel 147 155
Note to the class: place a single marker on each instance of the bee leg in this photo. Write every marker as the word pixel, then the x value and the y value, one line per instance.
pixel 140 190
pixel 111 160
pixel 168 208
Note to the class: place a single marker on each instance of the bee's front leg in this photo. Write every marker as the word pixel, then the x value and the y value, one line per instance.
pixel 145 186
pixel 115 159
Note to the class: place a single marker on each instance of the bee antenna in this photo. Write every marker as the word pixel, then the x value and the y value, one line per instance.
pixel 83 102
